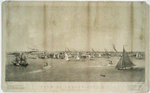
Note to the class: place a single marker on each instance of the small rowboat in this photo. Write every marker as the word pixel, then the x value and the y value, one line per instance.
pixel 46 67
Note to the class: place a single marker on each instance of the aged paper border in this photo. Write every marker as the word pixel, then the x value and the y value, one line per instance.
pixel 76 86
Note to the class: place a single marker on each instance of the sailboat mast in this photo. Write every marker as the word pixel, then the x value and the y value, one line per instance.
pixel 123 57
pixel 123 63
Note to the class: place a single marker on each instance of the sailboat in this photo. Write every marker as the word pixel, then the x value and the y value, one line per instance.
pixel 138 56
pixel 100 55
pixel 93 53
pixel 77 58
pixel 66 57
pixel 124 61
pixel 20 60
pixel 46 66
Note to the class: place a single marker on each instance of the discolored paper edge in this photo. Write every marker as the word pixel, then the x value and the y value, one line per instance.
pixel 76 86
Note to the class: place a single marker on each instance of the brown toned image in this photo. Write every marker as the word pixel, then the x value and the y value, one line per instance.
pixel 61 46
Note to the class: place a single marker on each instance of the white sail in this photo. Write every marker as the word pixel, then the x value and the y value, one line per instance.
pixel 138 56
pixel 54 56
pixel 100 55
pixel 78 58
pixel 66 57
pixel 58 55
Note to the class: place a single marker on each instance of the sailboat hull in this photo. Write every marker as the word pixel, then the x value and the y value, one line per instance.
pixel 20 64
pixel 125 68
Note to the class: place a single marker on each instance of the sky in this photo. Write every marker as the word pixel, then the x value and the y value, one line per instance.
pixel 79 26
